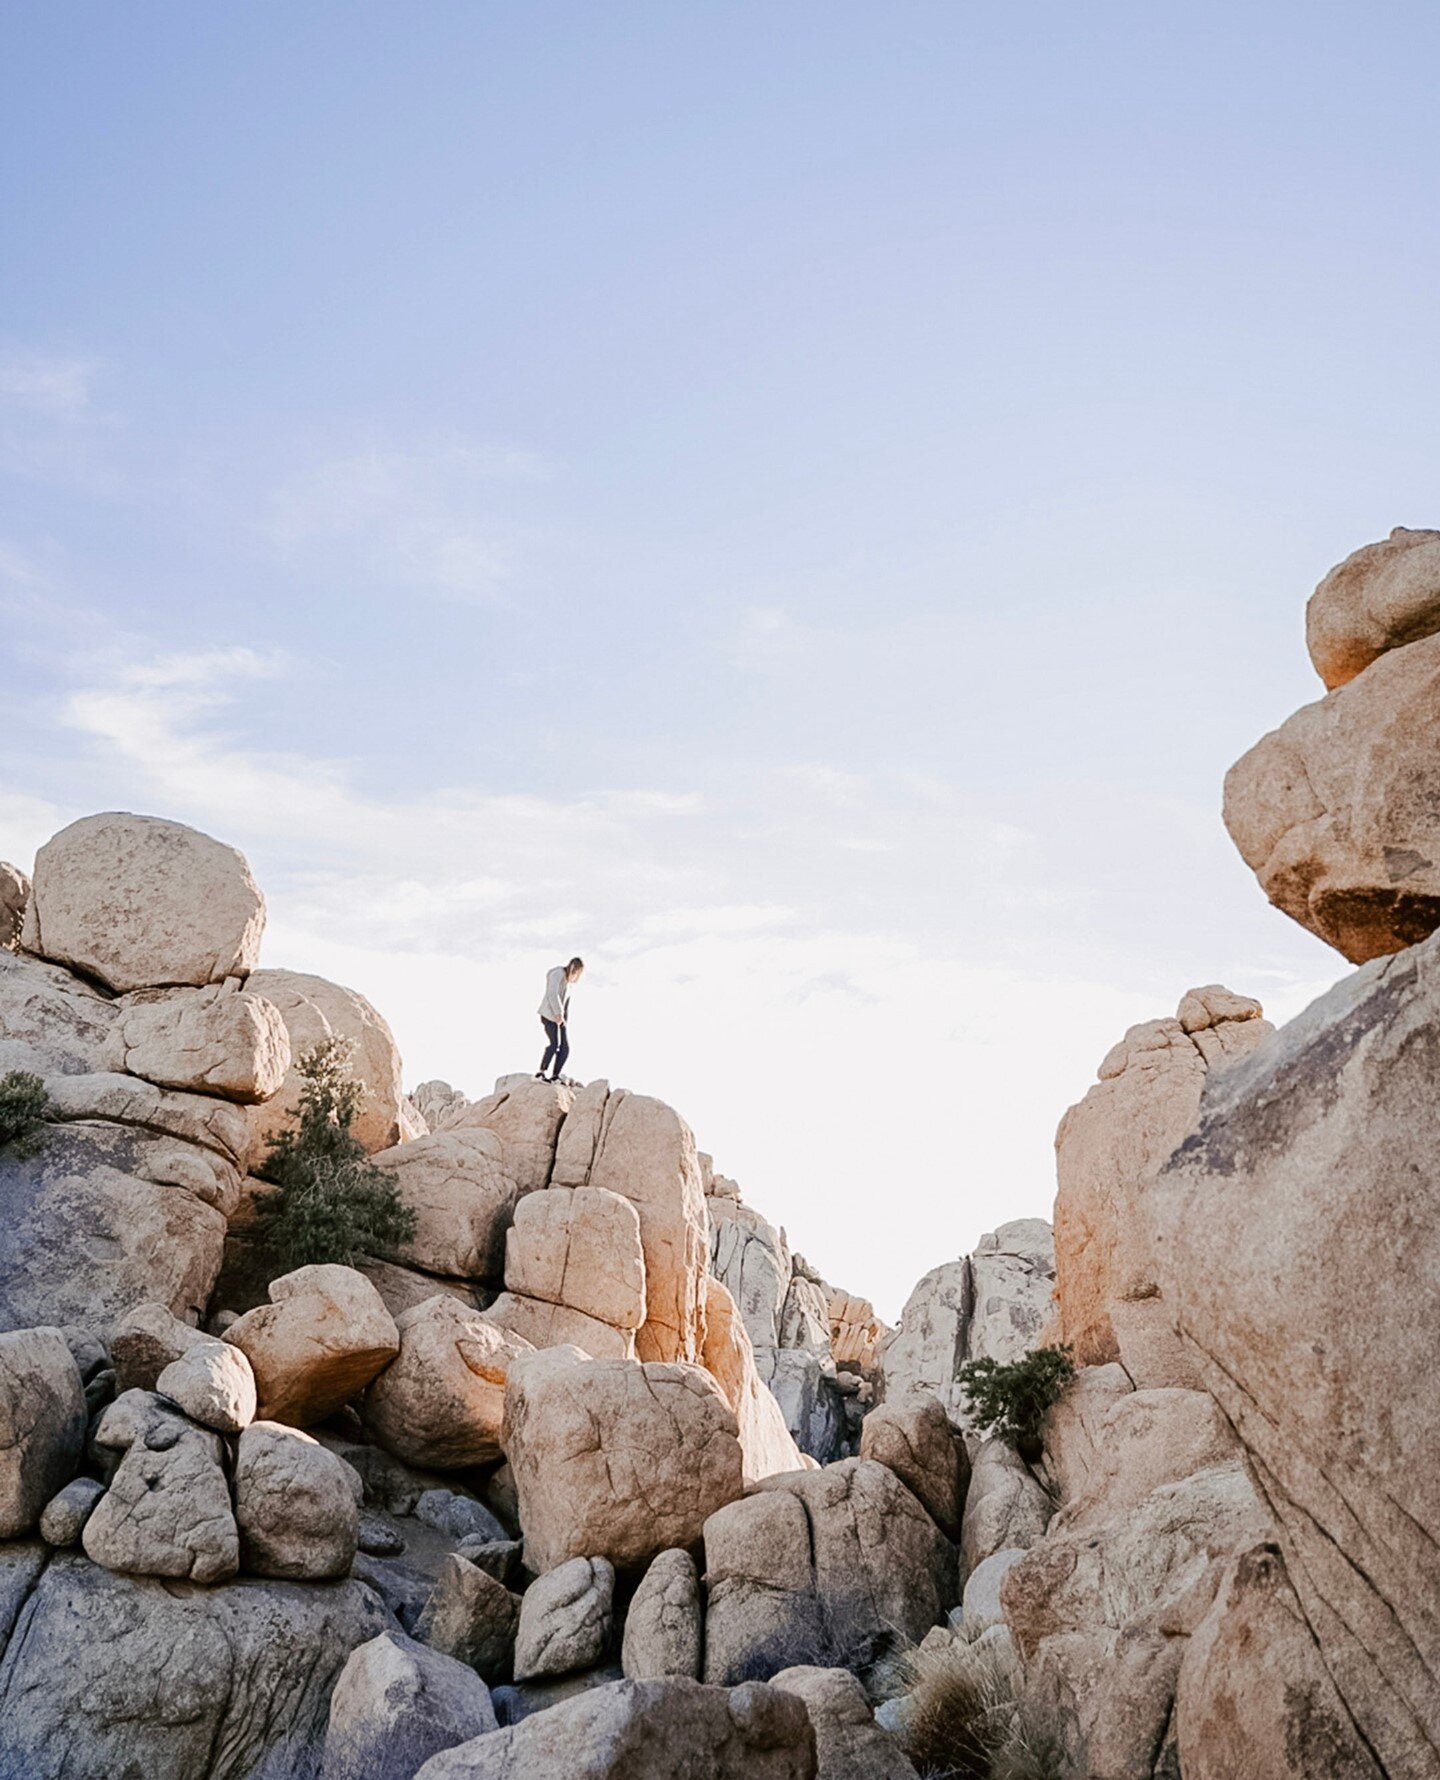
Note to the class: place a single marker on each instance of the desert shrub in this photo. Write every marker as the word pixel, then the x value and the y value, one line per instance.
pixel 23 1106
pixel 842 1635
pixel 1011 1399
pixel 962 1720
pixel 330 1202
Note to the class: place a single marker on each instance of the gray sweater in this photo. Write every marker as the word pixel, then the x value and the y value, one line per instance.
pixel 556 1005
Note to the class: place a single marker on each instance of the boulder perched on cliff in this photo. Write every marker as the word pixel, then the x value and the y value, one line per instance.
pixel 993 1303
pixel 441 1403
pixel 1108 1150
pixel 526 1115
pixel 644 1151
pixel 319 1341
pixel 398 1703
pixel 107 1675
pixel 833 1566
pixel 141 903
pixel 1337 812
pixel 613 1458
pixel 579 1247
pixel 1297 1233
pixel 214 1040
pixel 457 1184
pixel 646 1730
pixel 42 1424
pixel 313 1008
pixel 1381 597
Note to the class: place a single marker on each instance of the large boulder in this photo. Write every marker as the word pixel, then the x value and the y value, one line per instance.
pixel 167 1511
pixel 471 1616
pixel 313 1008
pixel 396 1704
pixel 107 1675
pixel 212 1382
pixel 295 1505
pixel 751 1258
pixel 913 1436
pixel 442 1402
pixel 1108 1150
pixel 1337 812
pixel 1381 597
pixel 319 1341
pixel 992 1304
pixel 42 1424
pixel 1297 1232
pixel 1005 1505
pixel 52 1023
pixel 580 1247
pixel 849 1745
pixel 214 1040
pixel 831 1567
pixel 142 903
pixel 765 1441
pixel 616 1459
pixel 457 1185
pixel 644 1151
pixel 566 1619
pixel 14 894
pixel 146 1340
pixel 664 1629
pixel 526 1115
pixel 646 1730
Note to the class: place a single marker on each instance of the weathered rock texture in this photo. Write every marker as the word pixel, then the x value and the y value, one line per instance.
pixel 849 1745
pixel 565 1619
pixel 765 1441
pixel 994 1303
pixel 42 1424
pixel 664 1629
pixel 14 894
pixel 615 1459
pixel 139 903
pixel 457 1185
pixel 913 1436
pixel 1297 1233
pixel 398 1703
pixel 526 1116
pixel 1337 812
pixel 579 1247
pixel 646 1730
pixel 213 1040
pixel 295 1505
pixel 1381 597
pixel 318 1343
pixel 441 1403
pixel 1108 1150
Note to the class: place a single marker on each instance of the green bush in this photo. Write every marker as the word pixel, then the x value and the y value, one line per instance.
pixel 23 1106
pixel 1011 1400
pixel 330 1202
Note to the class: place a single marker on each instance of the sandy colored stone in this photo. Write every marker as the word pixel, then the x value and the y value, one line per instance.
pixel 1149 1438
pixel 140 903
pixel 167 1511
pixel 52 1023
pixel 396 1704
pixel 556 1325
pixel 457 1185
pixel 913 1436
pixel 66 1512
pixel 664 1629
pixel 42 1424
pixel 646 1730
pixel 213 1382
pixel 526 1116
pixel 473 1618
pixel 644 1151
pixel 313 1008
pixel 295 1505
pixel 1074 1427
pixel 14 895
pixel 1005 1506
pixel 836 1566
pixel 402 1288
pixel 213 1129
pixel 144 1342
pixel 441 1403
pixel 751 1258
pixel 615 1459
pixel 321 1339
pixel 849 1745
pixel 579 1247
pixel 437 1103
pixel 766 1443
pixel 214 1040
pixel 1381 597
pixel 1337 812
pixel 1254 1696
pixel 565 1619
pixel 1297 1232
pixel 856 1332
pixel 1108 1150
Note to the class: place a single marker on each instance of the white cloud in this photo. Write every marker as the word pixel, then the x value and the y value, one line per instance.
pixel 55 386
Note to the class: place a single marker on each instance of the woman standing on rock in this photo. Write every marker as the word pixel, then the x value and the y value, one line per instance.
pixel 555 1017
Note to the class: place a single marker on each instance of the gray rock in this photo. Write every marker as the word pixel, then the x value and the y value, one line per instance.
pixel 849 1744
pixel 520 1700
pixel 65 1515
pixel 295 1505
pixel 116 1675
pixel 378 1537
pixel 804 1386
pixel 565 1619
pixel 646 1730
pixel 1005 1507
pixel 980 1604
pixel 396 1704
pixel 473 1618
pixel 42 1424
pixel 499 1558
pixel 664 1628
pixel 460 1517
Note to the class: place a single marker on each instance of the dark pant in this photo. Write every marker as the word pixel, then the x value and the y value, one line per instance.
pixel 558 1048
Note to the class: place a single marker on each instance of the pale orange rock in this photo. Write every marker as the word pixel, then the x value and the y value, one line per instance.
pixel 767 1444
pixel 318 1343
pixel 213 1040
pixel 1337 812
pixel 542 1324
pixel 457 1184
pixel 526 1115
pixel 580 1247
pixel 1381 597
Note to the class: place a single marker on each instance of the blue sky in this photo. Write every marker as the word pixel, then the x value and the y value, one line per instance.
pixel 801 503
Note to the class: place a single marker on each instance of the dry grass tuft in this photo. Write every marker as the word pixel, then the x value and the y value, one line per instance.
pixel 963 1722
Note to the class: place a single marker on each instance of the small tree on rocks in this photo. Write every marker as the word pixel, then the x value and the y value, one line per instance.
pixel 1010 1400
pixel 23 1106
pixel 331 1203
